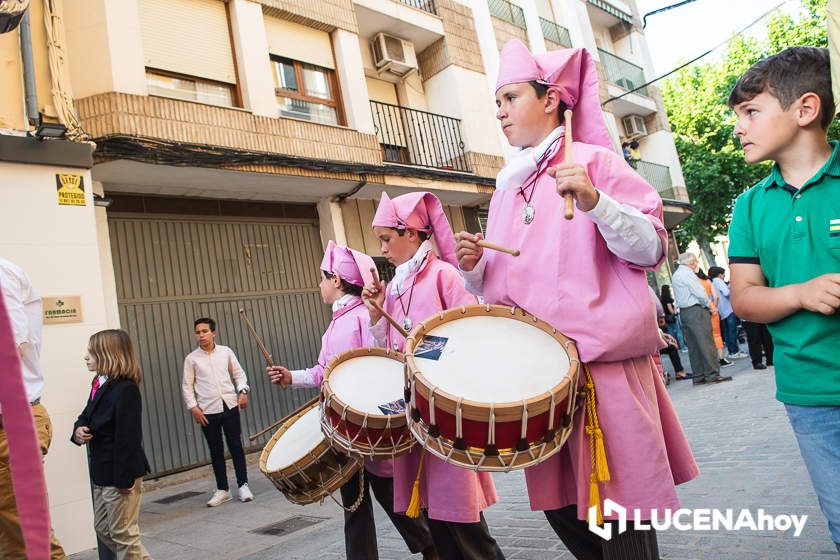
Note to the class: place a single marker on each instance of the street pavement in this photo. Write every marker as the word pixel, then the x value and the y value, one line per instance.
pixel 739 434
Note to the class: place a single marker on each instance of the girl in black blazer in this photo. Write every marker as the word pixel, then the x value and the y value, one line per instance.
pixel 110 426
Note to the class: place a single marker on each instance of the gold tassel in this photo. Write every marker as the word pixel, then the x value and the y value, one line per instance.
pixel 595 500
pixel 602 471
pixel 413 509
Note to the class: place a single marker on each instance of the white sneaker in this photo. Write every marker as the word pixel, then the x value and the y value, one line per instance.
pixel 738 355
pixel 219 497
pixel 245 494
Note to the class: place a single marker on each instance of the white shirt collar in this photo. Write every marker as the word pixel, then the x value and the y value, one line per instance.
pixel 343 301
pixel 410 267
pixel 523 162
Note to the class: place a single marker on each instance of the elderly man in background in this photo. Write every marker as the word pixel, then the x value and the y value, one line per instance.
pixel 690 297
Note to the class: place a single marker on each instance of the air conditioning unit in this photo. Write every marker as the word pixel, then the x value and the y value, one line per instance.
pixel 634 126
pixel 394 55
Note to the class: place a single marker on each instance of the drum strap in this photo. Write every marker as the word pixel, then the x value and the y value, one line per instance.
pixel 597 455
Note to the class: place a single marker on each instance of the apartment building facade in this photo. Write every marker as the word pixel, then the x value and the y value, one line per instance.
pixel 232 140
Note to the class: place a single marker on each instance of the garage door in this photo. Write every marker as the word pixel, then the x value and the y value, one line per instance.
pixel 170 271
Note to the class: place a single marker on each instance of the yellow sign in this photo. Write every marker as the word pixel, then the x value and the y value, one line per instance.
pixel 71 189
pixel 62 309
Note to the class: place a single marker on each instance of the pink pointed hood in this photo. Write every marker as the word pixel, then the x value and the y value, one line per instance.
pixel 347 264
pixel 421 211
pixel 569 71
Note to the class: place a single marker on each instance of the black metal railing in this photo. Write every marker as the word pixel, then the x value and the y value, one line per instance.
pixel 507 11
pixel 415 137
pixel 659 177
pixel 622 72
pixel 425 5
pixel 555 33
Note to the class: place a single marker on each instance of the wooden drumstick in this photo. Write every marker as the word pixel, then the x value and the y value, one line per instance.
pixel 261 432
pixel 569 211
pixel 494 247
pixel 260 345
pixel 385 314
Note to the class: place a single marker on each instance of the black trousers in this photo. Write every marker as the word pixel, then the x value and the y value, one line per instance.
pixel 360 528
pixel 226 421
pixel 586 545
pixel 464 541
pixel 674 354
pixel 758 340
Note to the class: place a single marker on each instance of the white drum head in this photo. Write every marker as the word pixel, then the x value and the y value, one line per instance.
pixel 367 383
pixel 301 437
pixel 491 359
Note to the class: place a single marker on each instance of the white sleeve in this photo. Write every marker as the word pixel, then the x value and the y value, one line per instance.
pixel 303 378
pixel 629 233
pixel 379 332
pixel 474 279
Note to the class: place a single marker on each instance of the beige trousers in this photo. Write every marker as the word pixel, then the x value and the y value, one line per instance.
pixel 115 518
pixel 11 538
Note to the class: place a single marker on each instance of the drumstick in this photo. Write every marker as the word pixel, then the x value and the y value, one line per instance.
pixel 385 314
pixel 494 247
pixel 569 212
pixel 265 353
pixel 304 405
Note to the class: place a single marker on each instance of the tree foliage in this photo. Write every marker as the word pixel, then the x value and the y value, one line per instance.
pixel 695 99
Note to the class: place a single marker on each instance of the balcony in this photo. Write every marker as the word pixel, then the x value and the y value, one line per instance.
pixel 425 5
pixel 413 137
pixel 555 33
pixel 507 11
pixel 659 177
pixel 623 73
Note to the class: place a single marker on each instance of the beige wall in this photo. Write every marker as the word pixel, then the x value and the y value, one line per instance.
pixel 59 249
pixel 255 72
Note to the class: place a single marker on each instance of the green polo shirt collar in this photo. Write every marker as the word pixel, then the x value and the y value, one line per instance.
pixel 831 168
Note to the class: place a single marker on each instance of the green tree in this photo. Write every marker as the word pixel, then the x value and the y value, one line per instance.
pixel 695 99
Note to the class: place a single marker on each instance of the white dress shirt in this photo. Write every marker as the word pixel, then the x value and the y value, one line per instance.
pixel 207 379
pixel 25 313
pixel 629 235
pixel 687 288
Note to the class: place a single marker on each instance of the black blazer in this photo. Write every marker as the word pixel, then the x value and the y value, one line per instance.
pixel 114 419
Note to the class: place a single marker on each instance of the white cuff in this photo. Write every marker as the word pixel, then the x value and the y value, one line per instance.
pixel 474 279
pixel 302 378
pixel 379 332
pixel 629 233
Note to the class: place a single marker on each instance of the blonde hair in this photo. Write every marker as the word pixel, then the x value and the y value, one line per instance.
pixel 114 354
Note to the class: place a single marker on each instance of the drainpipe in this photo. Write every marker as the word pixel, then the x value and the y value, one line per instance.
pixel 33 116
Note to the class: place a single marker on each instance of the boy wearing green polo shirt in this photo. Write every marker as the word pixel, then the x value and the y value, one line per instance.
pixel 784 250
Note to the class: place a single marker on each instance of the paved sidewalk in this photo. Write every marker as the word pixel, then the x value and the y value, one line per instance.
pixel 739 433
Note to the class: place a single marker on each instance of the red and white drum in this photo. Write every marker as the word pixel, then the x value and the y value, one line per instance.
pixel 362 403
pixel 300 462
pixel 492 388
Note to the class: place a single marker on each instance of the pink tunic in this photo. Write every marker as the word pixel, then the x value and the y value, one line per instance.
pixel 348 330
pixel 448 492
pixel 568 277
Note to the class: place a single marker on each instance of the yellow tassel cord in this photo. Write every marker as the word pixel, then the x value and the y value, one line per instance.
pixel 600 472
pixel 413 510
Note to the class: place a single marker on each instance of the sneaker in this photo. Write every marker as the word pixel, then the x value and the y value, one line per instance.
pixel 219 497
pixel 245 494
pixel 725 363
pixel 721 379
pixel 738 355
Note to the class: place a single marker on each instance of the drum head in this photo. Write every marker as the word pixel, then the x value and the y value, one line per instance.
pixel 369 384
pixel 491 359
pixel 301 437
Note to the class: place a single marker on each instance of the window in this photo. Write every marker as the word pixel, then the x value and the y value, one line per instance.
pixel 190 89
pixel 305 91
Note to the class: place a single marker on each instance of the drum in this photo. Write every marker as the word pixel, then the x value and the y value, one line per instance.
pixel 300 462
pixel 492 388
pixel 362 403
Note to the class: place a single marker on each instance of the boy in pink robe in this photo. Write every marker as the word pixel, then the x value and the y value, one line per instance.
pixel 584 276
pixel 343 274
pixel 423 285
